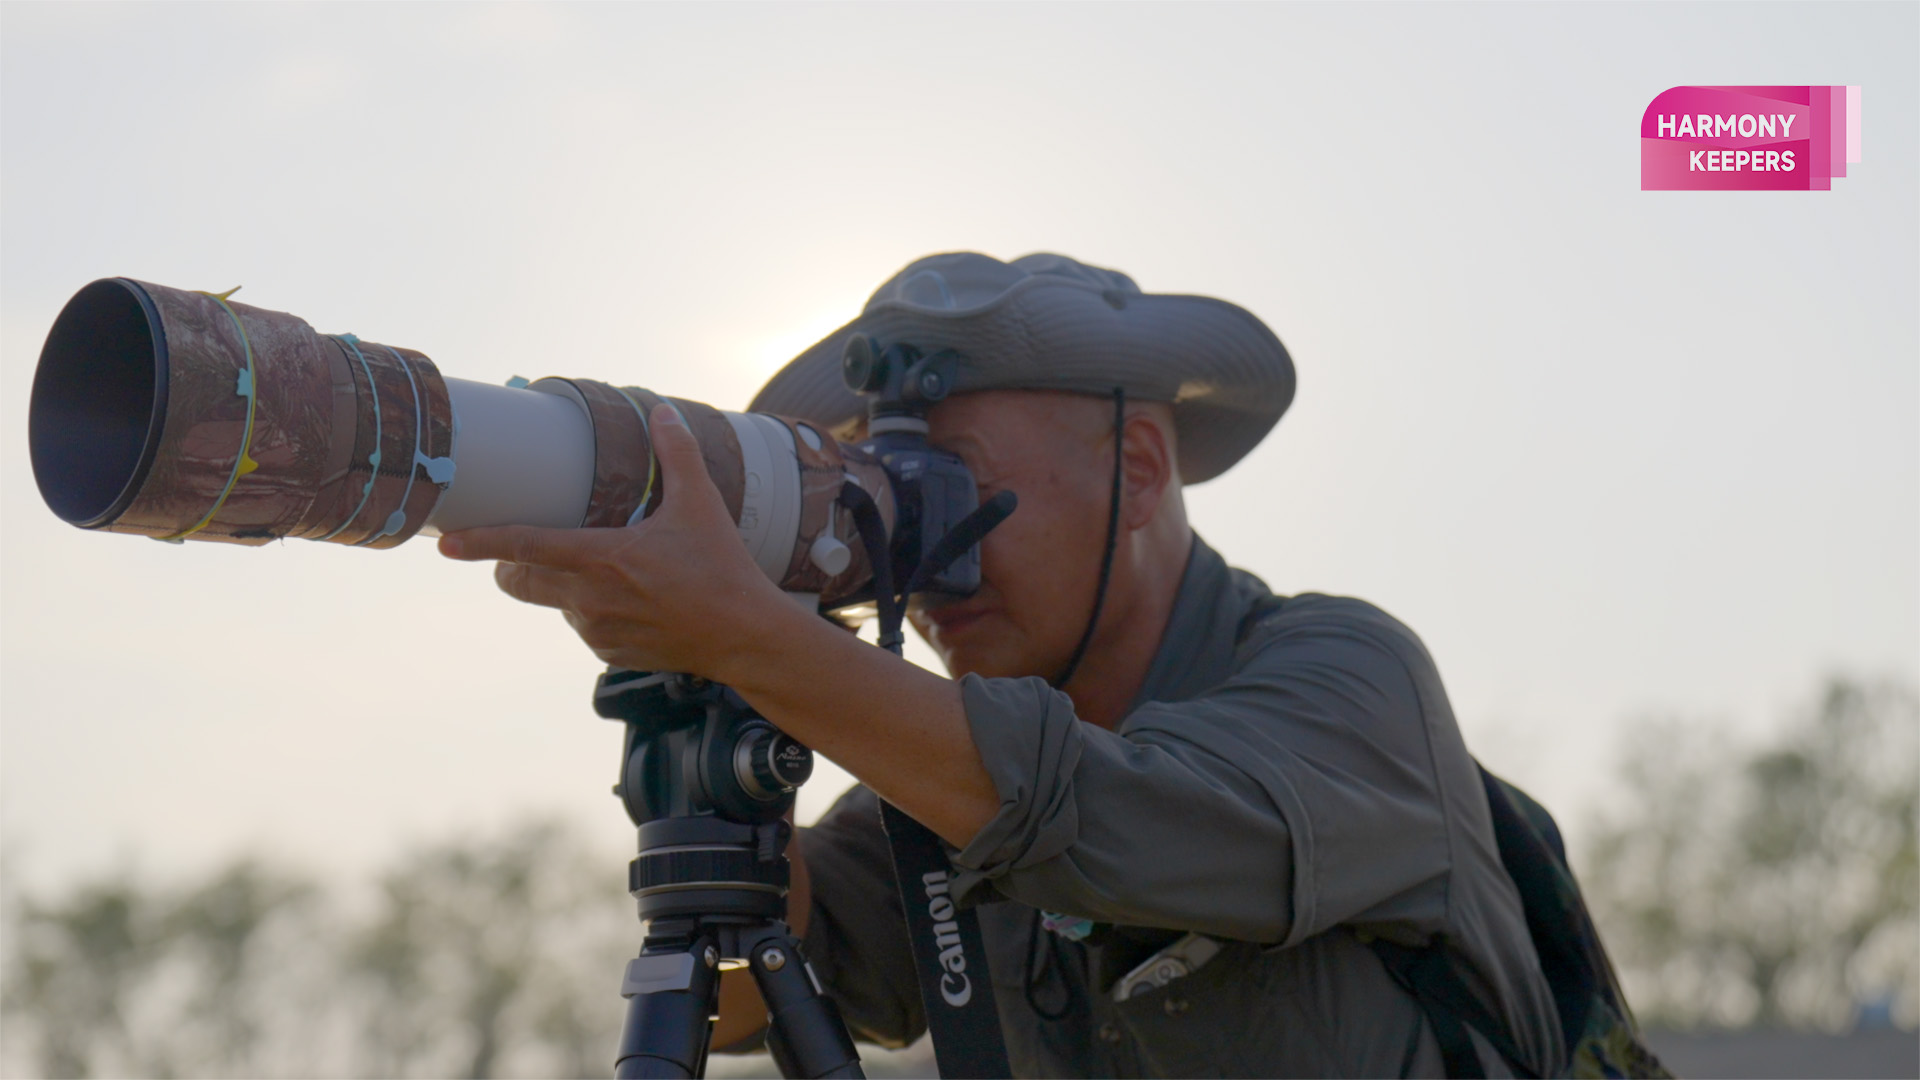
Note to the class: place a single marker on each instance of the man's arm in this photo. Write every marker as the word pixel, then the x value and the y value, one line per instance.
pixel 1300 793
pixel 898 727
pixel 678 592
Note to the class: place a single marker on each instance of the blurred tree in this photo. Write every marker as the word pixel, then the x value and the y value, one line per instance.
pixel 74 968
pixel 221 930
pixel 120 978
pixel 498 954
pixel 1772 885
pixel 492 957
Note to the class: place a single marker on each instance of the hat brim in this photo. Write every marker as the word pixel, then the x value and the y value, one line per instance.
pixel 1226 375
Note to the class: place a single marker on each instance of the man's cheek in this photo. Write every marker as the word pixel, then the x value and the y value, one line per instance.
pixel 995 552
pixel 1016 561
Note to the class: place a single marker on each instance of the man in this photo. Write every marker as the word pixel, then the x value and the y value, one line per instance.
pixel 1141 744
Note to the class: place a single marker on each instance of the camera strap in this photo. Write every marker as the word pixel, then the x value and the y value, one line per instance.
pixel 948 953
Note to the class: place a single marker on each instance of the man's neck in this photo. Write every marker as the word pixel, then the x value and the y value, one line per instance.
pixel 1133 620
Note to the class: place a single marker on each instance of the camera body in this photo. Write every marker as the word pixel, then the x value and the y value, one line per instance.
pixel 933 491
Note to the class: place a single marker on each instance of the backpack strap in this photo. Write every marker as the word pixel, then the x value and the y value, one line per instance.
pixel 1429 976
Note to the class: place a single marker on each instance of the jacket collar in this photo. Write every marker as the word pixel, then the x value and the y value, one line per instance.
pixel 1197 647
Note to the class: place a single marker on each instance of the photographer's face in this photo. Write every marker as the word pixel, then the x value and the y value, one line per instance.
pixel 1039 568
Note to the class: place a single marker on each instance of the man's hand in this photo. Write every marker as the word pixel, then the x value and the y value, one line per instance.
pixel 674 592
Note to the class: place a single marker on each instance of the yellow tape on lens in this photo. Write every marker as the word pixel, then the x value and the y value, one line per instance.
pixel 653 455
pixel 244 387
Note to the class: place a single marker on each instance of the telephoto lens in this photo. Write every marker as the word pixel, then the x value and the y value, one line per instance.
pixel 182 415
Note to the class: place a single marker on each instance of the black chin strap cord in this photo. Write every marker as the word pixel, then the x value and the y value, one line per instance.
pixel 1113 537
pixel 1048 952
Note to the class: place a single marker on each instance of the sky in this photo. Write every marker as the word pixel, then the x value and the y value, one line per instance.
pixel 1611 453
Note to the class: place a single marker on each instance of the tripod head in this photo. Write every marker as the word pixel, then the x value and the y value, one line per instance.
pixel 708 782
pixel 732 763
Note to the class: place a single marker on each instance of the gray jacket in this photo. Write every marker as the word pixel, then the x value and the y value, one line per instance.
pixel 1288 784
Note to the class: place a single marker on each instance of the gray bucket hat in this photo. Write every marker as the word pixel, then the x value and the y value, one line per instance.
pixel 1047 322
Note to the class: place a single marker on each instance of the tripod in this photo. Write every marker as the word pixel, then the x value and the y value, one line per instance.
pixel 709 782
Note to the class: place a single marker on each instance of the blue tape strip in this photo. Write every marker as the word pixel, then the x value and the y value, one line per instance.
pixel 398 519
pixel 439 469
pixel 373 388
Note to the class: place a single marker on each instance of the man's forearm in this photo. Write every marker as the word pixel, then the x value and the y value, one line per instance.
pixel 899 728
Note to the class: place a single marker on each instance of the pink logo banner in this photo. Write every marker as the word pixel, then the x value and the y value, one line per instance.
pixel 1749 138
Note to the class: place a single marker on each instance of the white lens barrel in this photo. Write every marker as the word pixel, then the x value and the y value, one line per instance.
pixel 770 503
pixel 526 456
pixel 520 457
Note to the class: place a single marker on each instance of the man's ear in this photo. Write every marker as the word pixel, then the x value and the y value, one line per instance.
pixel 1147 469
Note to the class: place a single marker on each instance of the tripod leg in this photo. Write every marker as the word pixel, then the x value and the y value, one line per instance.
pixel 805 1033
pixel 671 996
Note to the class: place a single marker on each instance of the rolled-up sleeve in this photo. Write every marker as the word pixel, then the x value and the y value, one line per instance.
pixel 1297 794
